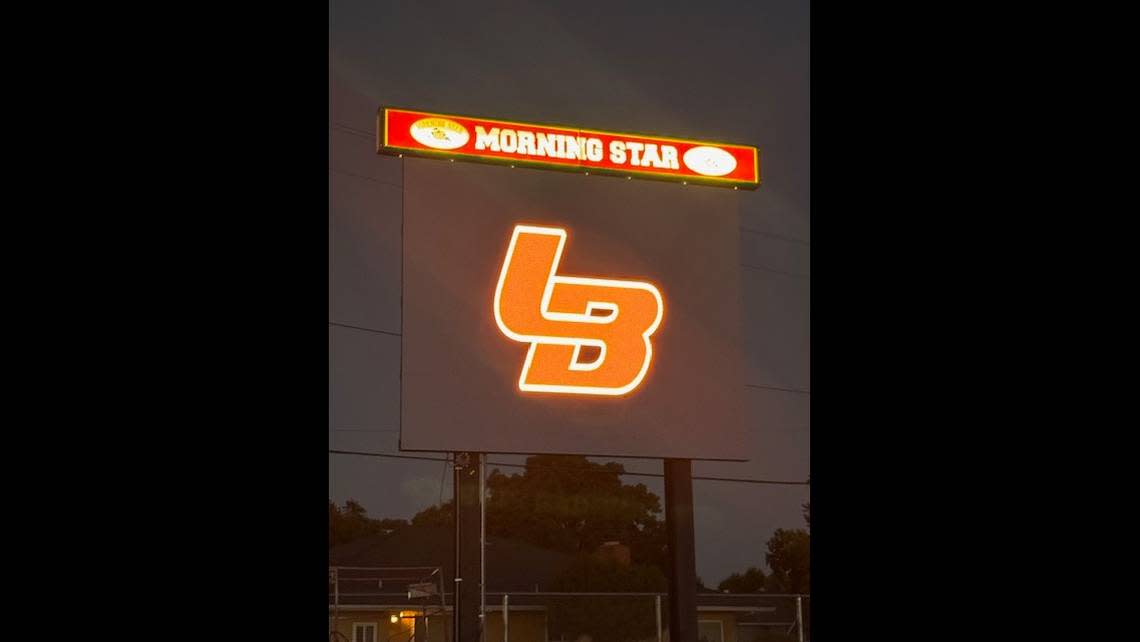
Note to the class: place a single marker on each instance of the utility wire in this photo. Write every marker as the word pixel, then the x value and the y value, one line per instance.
pixel 353 130
pixel 797 275
pixel 581 469
pixel 376 430
pixel 396 334
pixel 657 475
pixel 442 481
pixel 367 178
pixel 357 327
pixel 389 455
pixel 789 239
pixel 763 387
pixel 371 136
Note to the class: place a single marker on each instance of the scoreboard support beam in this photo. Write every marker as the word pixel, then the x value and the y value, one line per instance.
pixel 468 562
pixel 682 550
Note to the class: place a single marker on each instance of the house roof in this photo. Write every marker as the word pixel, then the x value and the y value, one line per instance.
pixel 512 565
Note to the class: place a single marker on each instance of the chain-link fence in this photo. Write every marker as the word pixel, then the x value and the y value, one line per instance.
pixel 397 605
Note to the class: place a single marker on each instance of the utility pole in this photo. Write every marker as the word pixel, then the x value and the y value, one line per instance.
pixel 682 550
pixel 468 571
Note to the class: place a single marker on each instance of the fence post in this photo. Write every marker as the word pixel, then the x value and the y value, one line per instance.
pixel 658 598
pixel 335 625
pixel 800 617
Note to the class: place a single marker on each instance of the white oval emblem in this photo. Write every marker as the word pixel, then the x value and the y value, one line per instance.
pixel 439 133
pixel 709 161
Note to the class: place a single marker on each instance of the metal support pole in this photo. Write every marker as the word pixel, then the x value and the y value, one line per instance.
pixel 658 600
pixel 800 617
pixel 442 604
pixel 506 618
pixel 482 543
pixel 335 624
pixel 682 551
pixel 467 562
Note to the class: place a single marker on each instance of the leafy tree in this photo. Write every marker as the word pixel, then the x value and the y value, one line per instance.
pixel 751 581
pixel 438 515
pixel 352 522
pixel 569 504
pixel 606 619
pixel 789 558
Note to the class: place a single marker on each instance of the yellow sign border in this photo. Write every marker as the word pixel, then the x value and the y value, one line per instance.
pixel 383 147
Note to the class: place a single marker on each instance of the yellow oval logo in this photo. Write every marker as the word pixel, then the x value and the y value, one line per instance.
pixel 710 161
pixel 439 133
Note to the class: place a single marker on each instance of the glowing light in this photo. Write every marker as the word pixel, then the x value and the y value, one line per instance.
pixel 394 618
pixel 709 161
pixel 439 133
pixel 457 138
pixel 556 315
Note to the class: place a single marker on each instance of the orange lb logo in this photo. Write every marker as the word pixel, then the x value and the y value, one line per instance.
pixel 556 315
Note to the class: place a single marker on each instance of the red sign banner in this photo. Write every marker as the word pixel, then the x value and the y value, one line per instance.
pixel 403 131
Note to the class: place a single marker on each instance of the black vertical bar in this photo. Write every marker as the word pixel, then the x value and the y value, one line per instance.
pixel 682 550
pixel 468 572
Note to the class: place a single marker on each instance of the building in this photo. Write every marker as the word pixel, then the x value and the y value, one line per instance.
pixel 369 601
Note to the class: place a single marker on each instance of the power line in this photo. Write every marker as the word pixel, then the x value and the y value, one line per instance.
pixel 777 236
pixel 377 430
pixel 654 474
pixel 352 130
pixel 763 387
pixel 371 136
pixel 442 481
pixel 357 327
pixel 797 275
pixel 388 455
pixel 367 178
pixel 742 480
pixel 754 267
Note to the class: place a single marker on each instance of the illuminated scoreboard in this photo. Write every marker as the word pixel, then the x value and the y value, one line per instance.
pixel 559 312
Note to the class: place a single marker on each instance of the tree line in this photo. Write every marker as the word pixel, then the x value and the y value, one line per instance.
pixel 573 505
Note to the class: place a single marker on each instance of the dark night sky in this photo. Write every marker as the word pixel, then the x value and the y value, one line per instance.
pixel 733 71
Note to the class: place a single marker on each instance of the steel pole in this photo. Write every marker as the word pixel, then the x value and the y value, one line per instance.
pixel 336 601
pixel 658 600
pixel 467 560
pixel 800 617
pixel 482 543
pixel 682 551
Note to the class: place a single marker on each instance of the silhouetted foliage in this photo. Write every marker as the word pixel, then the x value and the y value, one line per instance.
pixel 568 504
pixel 789 558
pixel 606 619
pixel 352 522
pixel 438 515
pixel 751 581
